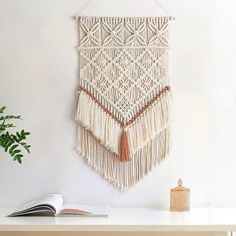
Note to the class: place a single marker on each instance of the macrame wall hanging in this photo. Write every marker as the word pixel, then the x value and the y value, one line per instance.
pixel 123 111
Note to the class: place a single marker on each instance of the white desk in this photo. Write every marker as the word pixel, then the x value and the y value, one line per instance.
pixel 128 219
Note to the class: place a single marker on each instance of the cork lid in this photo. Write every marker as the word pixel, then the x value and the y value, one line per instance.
pixel 180 187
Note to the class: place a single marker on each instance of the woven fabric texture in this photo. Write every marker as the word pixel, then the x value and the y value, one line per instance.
pixel 124 96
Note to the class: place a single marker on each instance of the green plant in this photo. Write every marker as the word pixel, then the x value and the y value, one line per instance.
pixel 12 143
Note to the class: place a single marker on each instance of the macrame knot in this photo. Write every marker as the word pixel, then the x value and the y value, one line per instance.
pixel 124 147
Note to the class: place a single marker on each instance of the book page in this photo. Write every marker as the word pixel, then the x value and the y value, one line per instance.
pixel 54 200
pixel 89 210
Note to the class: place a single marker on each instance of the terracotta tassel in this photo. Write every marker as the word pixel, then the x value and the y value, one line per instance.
pixel 124 147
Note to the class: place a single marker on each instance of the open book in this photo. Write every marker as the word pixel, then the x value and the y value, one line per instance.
pixel 52 205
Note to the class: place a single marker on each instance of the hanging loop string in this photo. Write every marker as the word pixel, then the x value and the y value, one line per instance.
pixel 85 6
pixel 161 6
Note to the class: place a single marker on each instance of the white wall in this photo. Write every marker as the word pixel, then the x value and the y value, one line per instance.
pixel 38 79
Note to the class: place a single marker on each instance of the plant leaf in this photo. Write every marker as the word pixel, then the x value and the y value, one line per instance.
pixel 12 143
pixel 12 149
pixel 2 109
pixel 18 158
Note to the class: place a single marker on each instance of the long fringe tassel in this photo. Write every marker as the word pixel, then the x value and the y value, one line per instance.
pixel 103 127
pixel 150 124
pixel 109 132
pixel 123 175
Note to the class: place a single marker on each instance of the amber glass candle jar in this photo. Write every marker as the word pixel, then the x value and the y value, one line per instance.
pixel 180 198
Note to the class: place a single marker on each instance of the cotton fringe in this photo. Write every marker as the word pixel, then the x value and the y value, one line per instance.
pixel 123 175
pixel 109 132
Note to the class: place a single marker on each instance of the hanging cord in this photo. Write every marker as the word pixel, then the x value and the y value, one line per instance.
pixel 161 6
pixel 155 1
pixel 87 3
pixel 164 10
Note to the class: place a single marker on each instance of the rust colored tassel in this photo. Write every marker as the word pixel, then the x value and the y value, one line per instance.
pixel 124 147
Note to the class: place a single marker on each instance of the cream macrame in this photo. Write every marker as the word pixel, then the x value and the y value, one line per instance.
pixel 123 110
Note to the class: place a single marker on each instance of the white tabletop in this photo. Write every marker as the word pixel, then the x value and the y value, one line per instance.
pixel 128 219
